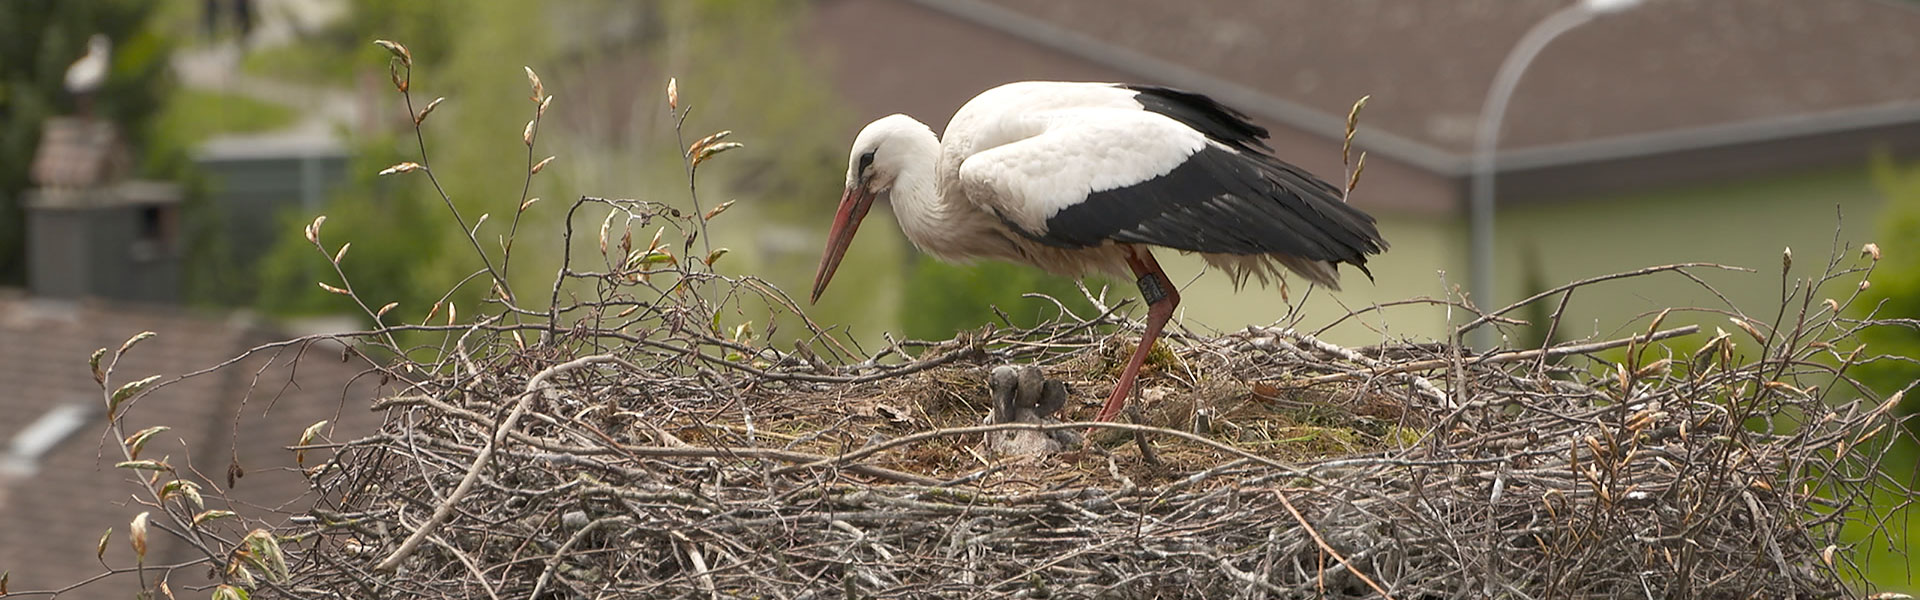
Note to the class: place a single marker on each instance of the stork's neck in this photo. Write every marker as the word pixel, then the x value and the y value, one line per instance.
pixel 925 215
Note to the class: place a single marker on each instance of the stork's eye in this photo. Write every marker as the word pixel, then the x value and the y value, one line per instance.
pixel 866 160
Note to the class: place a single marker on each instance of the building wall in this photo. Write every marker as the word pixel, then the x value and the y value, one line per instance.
pixel 252 192
pixel 103 246
pixel 875 51
pixel 1744 223
pixel 1741 223
pixel 1418 265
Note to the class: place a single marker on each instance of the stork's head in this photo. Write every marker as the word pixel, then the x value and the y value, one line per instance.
pixel 881 151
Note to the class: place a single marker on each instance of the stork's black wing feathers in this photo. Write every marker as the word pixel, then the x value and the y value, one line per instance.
pixel 1230 197
pixel 1218 121
pixel 1223 200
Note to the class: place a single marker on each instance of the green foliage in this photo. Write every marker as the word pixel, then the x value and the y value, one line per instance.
pixel 1896 280
pixel 736 65
pixel 39 39
pixel 388 226
pixel 407 248
pixel 335 54
pixel 1895 294
pixel 309 63
pixel 780 102
pixel 942 299
pixel 192 116
pixel 737 68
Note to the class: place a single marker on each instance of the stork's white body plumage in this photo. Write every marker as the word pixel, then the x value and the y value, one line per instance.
pixel 1077 178
pixel 87 74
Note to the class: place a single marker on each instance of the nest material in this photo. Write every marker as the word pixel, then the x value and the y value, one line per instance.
pixel 660 470
pixel 623 447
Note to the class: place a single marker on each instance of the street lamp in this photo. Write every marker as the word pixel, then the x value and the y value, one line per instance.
pixel 1492 112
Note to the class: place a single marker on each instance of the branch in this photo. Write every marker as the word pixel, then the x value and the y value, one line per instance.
pixel 1500 358
pixel 982 429
pixel 1329 549
pixel 1485 318
pixel 445 510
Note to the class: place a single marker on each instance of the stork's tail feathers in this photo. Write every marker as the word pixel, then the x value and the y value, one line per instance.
pixel 1297 220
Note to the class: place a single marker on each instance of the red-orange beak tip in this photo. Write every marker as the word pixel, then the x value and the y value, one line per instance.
pixel 853 207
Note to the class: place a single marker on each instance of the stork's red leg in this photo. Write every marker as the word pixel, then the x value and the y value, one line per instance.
pixel 1161 297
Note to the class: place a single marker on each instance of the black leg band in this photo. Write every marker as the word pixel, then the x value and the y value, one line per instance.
pixel 1150 288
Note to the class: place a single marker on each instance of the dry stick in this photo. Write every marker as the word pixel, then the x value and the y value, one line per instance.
pixel 647 451
pixel 1504 357
pixel 705 578
pixel 1140 437
pixel 1681 268
pixel 467 561
pixel 781 455
pixel 1420 384
pixel 426 166
pixel 445 510
pixel 553 562
pixel 980 429
pixel 1329 549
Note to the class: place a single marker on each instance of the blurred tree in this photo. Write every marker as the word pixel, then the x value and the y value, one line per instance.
pixel 407 249
pixel 39 39
pixel 608 127
pixel 387 225
pixel 741 60
pixel 738 67
pixel 1896 281
pixel 1895 294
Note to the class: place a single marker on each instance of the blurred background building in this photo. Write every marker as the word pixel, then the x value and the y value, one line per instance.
pixel 1672 131
pixel 1676 131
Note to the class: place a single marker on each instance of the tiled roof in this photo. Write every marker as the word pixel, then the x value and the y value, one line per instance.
pixel 79 153
pixel 52 516
pixel 1729 89
pixel 1665 65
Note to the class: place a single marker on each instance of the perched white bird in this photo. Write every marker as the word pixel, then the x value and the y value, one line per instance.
pixel 88 73
pixel 1077 178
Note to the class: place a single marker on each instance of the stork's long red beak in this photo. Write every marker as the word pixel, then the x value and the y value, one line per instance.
pixel 853 207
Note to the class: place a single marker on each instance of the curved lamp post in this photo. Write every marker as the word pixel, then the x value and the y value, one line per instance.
pixel 1492 112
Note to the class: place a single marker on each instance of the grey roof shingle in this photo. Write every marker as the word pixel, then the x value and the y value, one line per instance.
pixel 52 517
pixel 1727 89
pixel 1662 66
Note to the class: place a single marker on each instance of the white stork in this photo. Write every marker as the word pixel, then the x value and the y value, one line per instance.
pixel 1077 178
pixel 86 75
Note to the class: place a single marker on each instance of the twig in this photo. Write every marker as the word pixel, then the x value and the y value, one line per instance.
pixel 923 436
pixel 1499 357
pixel 445 509
pixel 1326 548
pixel 1681 267
pixel 420 139
pixel 546 572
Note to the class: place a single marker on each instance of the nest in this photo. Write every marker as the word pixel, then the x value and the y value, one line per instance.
pixel 609 451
